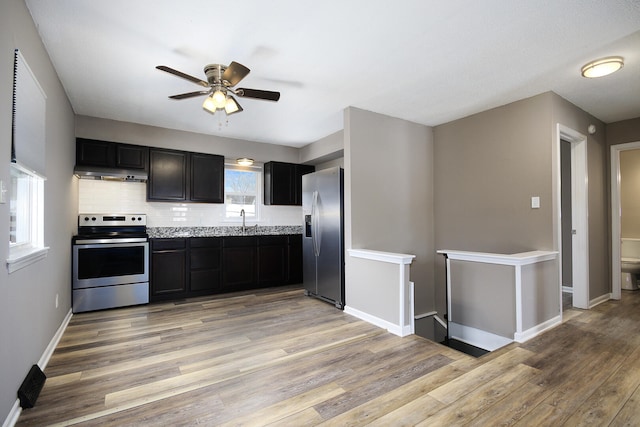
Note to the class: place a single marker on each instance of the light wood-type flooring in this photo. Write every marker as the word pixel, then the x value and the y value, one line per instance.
pixel 276 357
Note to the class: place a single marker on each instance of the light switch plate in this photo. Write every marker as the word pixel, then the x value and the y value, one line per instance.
pixel 3 192
pixel 535 202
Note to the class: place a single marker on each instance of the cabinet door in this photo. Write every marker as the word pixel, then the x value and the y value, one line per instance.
pixel 272 264
pixel 168 267
pixel 131 156
pixel 167 175
pixel 239 266
pixel 207 178
pixel 204 256
pixel 279 181
pixel 91 152
pixel 295 258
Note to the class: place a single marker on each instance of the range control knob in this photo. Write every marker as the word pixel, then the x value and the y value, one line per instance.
pixel 86 218
pixel 139 219
pixel 93 218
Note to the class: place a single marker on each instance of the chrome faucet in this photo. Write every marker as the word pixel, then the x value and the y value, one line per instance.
pixel 243 215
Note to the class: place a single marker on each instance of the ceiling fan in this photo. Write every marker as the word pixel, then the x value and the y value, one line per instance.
pixel 220 83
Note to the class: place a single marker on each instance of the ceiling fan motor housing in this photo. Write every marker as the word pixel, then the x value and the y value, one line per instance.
pixel 214 74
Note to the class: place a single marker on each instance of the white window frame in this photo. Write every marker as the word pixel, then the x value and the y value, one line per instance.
pixel 27 206
pixel 235 217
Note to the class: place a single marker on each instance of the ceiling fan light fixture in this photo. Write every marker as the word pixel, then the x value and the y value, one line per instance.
pixel 219 98
pixel 244 161
pixel 231 106
pixel 209 105
pixel 602 67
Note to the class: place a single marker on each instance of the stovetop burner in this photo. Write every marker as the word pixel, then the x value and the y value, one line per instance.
pixel 111 226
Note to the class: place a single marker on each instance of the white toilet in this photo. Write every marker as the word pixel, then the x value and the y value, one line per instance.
pixel 630 263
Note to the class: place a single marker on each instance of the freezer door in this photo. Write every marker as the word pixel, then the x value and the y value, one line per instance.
pixel 329 230
pixel 309 279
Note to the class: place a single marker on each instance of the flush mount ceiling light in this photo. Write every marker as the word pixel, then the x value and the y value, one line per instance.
pixel 602 67
pixel 244 161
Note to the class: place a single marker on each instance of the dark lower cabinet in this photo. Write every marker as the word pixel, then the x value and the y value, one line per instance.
pixel 188 267
pixel 295 258
pixel 239 256
pixel 273 254
pixel 204 265
pixel 168 269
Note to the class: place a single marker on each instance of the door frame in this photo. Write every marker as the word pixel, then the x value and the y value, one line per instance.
pixel 616 212
pixel 580 214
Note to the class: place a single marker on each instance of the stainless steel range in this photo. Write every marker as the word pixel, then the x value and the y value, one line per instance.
pixel 110 261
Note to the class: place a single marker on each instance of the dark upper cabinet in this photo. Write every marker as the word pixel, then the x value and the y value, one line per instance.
pixel 283 183
pixel 167 175
pixel 131 156
pixel 92 152
pixel 207 178
pixel 183 176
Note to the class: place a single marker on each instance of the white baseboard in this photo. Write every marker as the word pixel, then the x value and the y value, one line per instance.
pixel 381 323
pixel 476 337
pixel 14 414
pixel 599 300
pixel 537 330
pixel 16 410
pixel 44 360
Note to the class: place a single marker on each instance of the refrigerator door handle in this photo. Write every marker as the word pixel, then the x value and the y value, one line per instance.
pixel 315 221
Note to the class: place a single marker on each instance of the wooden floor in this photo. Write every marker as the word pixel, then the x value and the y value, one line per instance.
pixel 276 357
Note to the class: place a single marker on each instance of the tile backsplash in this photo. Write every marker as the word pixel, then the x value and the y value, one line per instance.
pixel 97 196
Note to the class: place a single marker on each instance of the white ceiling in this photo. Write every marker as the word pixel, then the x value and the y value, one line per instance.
pixel 427 61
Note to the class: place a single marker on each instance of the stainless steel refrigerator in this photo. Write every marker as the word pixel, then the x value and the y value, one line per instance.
pixel 323 238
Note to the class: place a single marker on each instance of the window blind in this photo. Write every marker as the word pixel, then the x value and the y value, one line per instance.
pixel 29 118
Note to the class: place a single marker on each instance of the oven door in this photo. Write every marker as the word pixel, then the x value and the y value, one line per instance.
pixel 109 262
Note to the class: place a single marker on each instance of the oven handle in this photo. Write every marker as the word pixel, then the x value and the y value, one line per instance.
pixel 110 241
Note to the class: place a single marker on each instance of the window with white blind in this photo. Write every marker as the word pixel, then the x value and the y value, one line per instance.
pixel 26 192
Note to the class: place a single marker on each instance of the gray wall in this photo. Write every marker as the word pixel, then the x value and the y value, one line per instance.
pixel 489 165
pixel 623 131
pixel 487 168
pixel 133 133
pixel 629 191
pixel 569 115
pixel 28 316
pixel 388 193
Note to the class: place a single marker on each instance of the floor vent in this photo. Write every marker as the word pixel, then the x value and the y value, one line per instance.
pixel 31 386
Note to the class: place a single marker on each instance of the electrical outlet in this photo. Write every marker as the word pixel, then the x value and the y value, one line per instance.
pixel 56 300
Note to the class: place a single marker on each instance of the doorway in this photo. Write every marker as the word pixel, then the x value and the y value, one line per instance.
pixel 577 229
pixel 616 288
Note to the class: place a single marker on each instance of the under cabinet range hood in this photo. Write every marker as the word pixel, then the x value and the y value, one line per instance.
pixel 110 174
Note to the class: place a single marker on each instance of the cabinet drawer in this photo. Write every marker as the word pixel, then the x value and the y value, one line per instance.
pixel 239 241
pixel 205 280
pixel 205 242
pixel 168 244
pixel 272 240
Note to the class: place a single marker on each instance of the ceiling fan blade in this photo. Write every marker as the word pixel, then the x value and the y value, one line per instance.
pixel 234 73
pixel 183 75
pixel 190 94
pixel 258 94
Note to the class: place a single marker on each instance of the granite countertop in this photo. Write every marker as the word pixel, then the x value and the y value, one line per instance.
pixel 266 230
